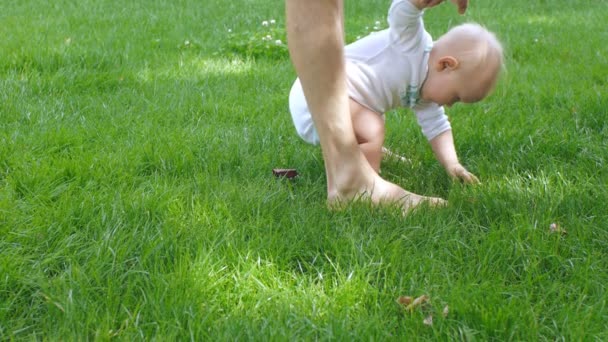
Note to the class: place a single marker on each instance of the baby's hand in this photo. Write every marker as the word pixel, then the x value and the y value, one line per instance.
pixel 457 171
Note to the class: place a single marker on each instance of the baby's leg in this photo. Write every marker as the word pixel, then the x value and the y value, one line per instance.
pixel 369 131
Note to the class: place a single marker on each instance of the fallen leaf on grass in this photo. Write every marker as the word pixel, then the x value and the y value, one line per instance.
pixel 410 303
pixel 417 302
pixel 287 173
pixel 556 228
pixel 404 300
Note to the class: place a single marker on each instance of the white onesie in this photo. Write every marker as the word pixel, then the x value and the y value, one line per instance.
pixel 384 71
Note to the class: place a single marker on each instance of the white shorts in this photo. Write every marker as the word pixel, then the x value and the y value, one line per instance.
pixel 302 119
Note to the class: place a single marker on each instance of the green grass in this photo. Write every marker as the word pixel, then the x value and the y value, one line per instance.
pixel 137 200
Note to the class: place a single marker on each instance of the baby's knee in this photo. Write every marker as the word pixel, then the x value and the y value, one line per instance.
pixel 371 131
pixel 377 129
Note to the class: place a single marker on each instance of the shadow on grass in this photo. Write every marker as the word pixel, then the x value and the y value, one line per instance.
pixel 173 225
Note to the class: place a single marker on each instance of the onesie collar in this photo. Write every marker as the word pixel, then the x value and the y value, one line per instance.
pixel 412 95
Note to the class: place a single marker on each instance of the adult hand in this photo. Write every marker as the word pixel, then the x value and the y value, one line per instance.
pixel 457 171
pixel 430 3
pixel 462 5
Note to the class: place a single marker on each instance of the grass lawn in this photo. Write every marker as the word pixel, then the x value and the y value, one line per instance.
pixel 137 199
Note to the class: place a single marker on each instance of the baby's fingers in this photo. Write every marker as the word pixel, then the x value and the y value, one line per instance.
pixel 468 177
pixel 473 179
pixel 460 173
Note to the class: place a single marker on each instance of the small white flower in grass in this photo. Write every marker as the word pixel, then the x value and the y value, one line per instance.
pixel 187 42
pixel 358 37
pixel 278 42
pixel 265 23
pixel 272 22
pixel 269 37
pixel 377 23
pixel 376 28
pixel 229 30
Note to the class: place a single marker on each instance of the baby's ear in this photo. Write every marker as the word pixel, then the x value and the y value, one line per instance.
pixel 447 62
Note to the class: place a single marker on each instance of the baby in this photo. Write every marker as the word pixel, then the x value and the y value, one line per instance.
pixel 402 67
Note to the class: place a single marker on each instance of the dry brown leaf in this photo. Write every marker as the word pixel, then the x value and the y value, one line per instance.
pixel 428 320
pixel 287 173
pixel 446 311
pixel 404 300
pixel 417 302
pixel 556 228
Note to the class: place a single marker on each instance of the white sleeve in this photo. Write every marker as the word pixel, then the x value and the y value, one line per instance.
pixel 405 21
pixel 432 119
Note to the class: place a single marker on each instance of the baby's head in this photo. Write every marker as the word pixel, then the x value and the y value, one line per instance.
pixel 463 66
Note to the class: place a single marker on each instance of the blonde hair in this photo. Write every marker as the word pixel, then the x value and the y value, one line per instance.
pixel 473 42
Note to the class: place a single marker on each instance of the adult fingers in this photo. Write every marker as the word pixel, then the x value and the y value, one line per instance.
pixel 431 3
pixel 462 6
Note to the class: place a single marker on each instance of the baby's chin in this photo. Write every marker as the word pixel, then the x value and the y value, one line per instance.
pixel 424 97
pixel 427 99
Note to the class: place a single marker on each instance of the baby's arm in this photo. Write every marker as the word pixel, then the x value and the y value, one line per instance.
pixel 445 152
pixel 437 129
pixel 405 18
